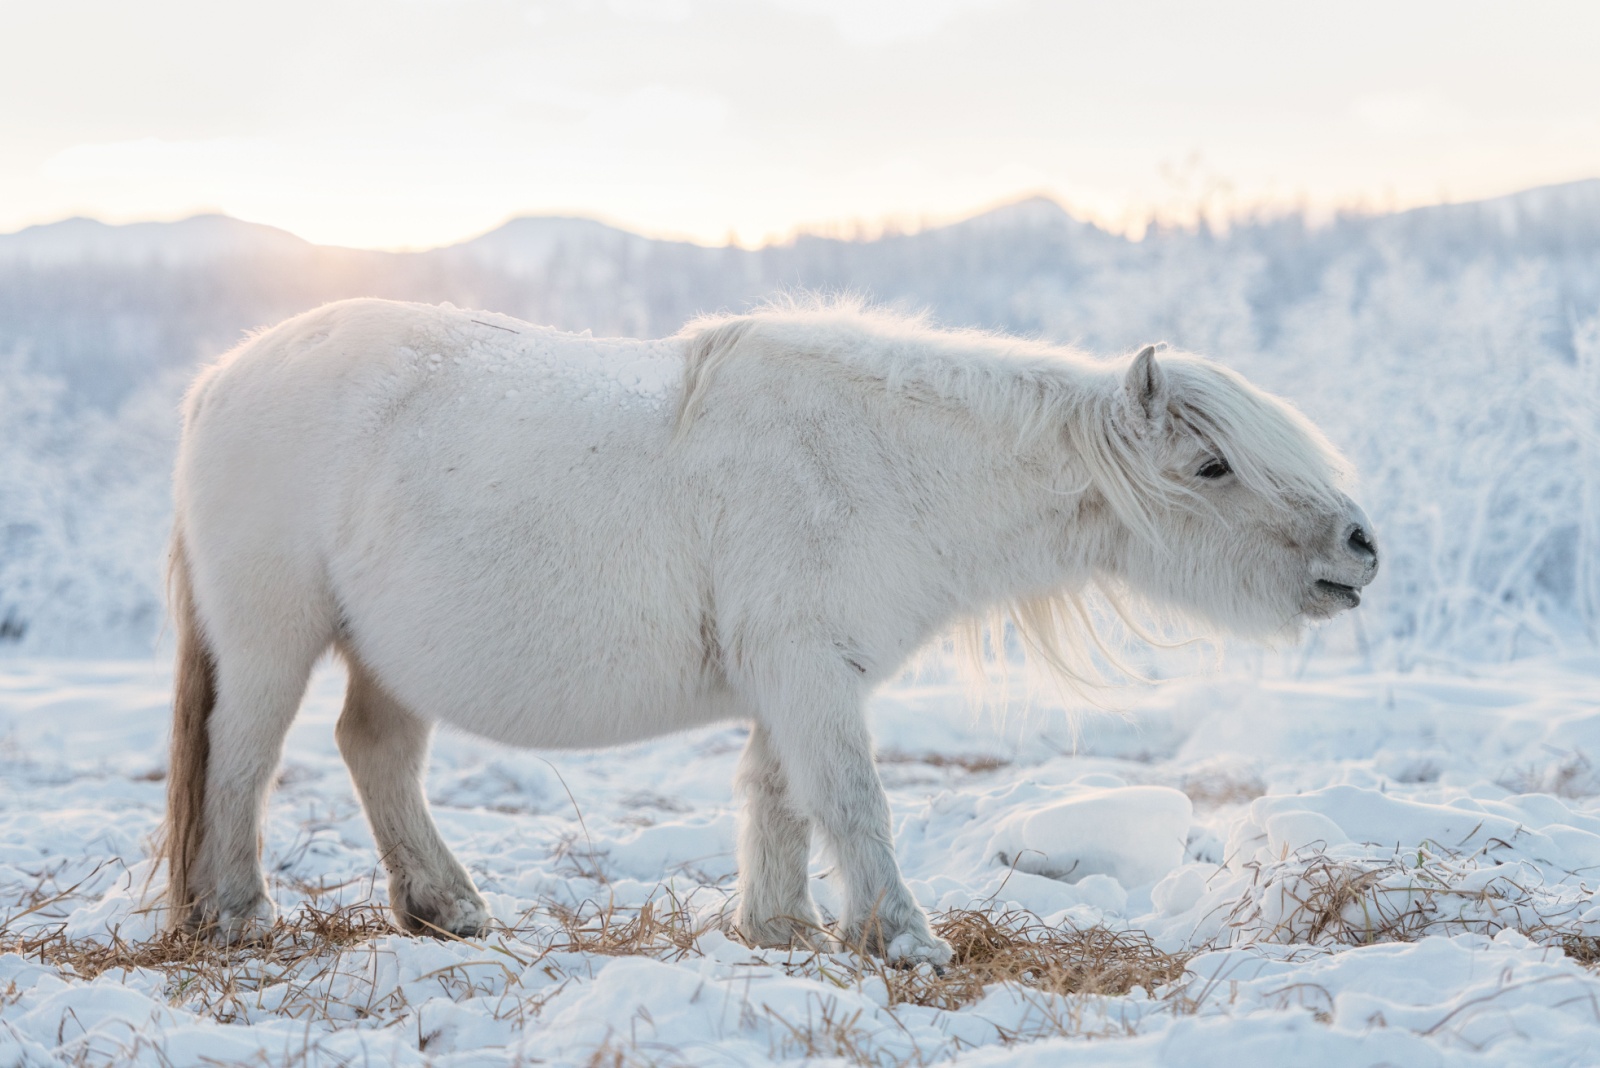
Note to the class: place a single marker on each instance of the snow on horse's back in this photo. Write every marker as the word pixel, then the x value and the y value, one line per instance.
pixel 554 540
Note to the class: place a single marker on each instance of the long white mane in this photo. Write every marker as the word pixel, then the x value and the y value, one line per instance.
pixel 1027 390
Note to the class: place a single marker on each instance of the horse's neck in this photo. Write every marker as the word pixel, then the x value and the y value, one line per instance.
pixel 1012 510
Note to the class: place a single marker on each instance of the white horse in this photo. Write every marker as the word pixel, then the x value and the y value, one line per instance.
pixel 552 540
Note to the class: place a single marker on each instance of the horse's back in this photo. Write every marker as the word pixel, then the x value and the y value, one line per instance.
pixel 484 511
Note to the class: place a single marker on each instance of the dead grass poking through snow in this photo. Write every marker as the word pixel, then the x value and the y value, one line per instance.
pixel 972 763
pixel 1313 898
pixel 205 972
pixel 991 946
pixel 1585 949
pixel 304 955
pixel 1212 787
pixel 664 928
pixel 1568 775
pixel 1020 948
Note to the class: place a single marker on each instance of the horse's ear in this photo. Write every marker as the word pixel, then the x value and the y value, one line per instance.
pixel 1145 390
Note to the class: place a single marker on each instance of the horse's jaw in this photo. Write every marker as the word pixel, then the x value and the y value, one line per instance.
pixel 1329 598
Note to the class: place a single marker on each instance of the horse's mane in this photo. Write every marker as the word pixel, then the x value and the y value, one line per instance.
pixel 1023 386
pixel 1027 389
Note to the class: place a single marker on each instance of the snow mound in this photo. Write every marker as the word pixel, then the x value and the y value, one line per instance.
pixel 1346 821
pixel 1134 834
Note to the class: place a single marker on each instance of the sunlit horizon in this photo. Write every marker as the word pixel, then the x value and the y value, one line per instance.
pixel 1133 221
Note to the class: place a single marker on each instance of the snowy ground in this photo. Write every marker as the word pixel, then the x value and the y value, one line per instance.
pixel 1349 869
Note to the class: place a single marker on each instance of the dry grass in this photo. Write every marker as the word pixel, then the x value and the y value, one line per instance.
pixel 575 855
pixel 1019 948
pixel 1211 787
pixel 310 933
pixel 1572 775
pixel 991 946
pixel 1585 949
pixel 313 965
pixel 975 763
pixel 662 928
pixel 1314 899
pixel 307 949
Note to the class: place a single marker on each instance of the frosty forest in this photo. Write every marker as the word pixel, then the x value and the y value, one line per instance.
pixel 1378 846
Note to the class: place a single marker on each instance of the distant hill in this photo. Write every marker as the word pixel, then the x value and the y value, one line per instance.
pixel 200 239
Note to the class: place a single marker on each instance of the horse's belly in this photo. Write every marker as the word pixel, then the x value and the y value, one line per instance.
pixel 607 718
pixel 517 693
pixel 539 607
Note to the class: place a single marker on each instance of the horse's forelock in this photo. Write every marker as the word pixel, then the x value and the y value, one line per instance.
pixel 1270 445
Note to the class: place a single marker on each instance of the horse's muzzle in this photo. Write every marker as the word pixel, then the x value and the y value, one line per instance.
pixel 1351 565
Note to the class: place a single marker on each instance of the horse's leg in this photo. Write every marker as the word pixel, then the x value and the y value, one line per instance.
pixel 817 729
pixel 261 677
pixel 775 906
pixel 386 747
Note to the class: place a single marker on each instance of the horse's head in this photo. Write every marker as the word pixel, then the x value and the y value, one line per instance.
pixel 1232 500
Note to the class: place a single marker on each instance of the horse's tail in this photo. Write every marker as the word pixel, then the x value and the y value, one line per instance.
pixel 194 695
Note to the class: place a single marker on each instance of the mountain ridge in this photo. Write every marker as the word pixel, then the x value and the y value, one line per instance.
pixel 524 242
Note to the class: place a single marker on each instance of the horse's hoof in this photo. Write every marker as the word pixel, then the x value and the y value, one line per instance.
pixel 461 917
pixel 919 947
pixel 240 924
pixel 914 944
pixel 784 932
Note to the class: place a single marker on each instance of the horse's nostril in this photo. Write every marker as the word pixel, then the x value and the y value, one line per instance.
pixel 1360 542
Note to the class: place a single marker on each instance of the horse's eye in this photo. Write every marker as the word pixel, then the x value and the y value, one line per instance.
pixel 1214 468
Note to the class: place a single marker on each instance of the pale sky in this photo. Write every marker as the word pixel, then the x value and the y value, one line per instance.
pixel 413 123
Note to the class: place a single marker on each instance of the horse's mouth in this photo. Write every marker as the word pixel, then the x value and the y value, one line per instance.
pixel 1338 591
